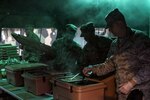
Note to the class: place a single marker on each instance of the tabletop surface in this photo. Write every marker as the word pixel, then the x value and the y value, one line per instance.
pixel 20 93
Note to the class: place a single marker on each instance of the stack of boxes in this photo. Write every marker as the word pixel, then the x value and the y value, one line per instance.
pixel 31 75
pixel 8 51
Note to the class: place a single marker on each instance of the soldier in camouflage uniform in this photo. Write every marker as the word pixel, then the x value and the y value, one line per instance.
pixel 67 51
pixel 29 53
pixel 130 58
pixel 96 49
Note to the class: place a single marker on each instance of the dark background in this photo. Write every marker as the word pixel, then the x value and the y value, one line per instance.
pixel 57 13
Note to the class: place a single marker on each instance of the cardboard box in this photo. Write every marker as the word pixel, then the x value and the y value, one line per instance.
pixel 37 82
pixel 78 90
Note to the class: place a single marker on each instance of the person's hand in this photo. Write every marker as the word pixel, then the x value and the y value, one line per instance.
pixel 127 87
pixel 86 71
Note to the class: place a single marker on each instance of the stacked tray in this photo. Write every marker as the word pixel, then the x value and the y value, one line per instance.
pixel 8 51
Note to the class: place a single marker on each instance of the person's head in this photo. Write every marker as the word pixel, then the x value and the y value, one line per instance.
pixel 70 30
pixel 116 23
pixel 87 31
pixel 29 29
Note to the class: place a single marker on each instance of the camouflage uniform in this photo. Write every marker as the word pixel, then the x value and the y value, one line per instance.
pixel 96 52
pixel 29 53
pixel 131 59
pixel 67 54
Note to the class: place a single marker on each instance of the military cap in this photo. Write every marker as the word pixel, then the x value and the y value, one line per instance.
pixel 114 16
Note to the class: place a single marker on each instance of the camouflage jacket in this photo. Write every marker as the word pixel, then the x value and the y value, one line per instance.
pixel 67 54
pixel 95 52
pixel 29 52
pixel 130 59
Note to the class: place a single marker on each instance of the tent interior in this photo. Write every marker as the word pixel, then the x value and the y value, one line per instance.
pixel 49 18
pixel 57 13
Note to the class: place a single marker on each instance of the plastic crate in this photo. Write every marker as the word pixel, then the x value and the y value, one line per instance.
pixel 14 72
pixel 37 82
pixel 78 90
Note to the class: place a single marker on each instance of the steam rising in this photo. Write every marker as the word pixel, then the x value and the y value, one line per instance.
pixel 57 13
pixel 136 11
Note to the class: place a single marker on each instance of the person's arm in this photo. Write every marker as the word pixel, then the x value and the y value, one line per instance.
pixel 104 68
pixel 101 69
pixel 74 47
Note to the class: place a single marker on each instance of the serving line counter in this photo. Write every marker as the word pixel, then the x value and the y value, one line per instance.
pixel 34 82
pixel 11 92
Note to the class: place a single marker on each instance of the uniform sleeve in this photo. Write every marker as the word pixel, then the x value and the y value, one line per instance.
pixel 104 68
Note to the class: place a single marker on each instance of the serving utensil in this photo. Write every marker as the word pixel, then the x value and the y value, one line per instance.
pixel 75 76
